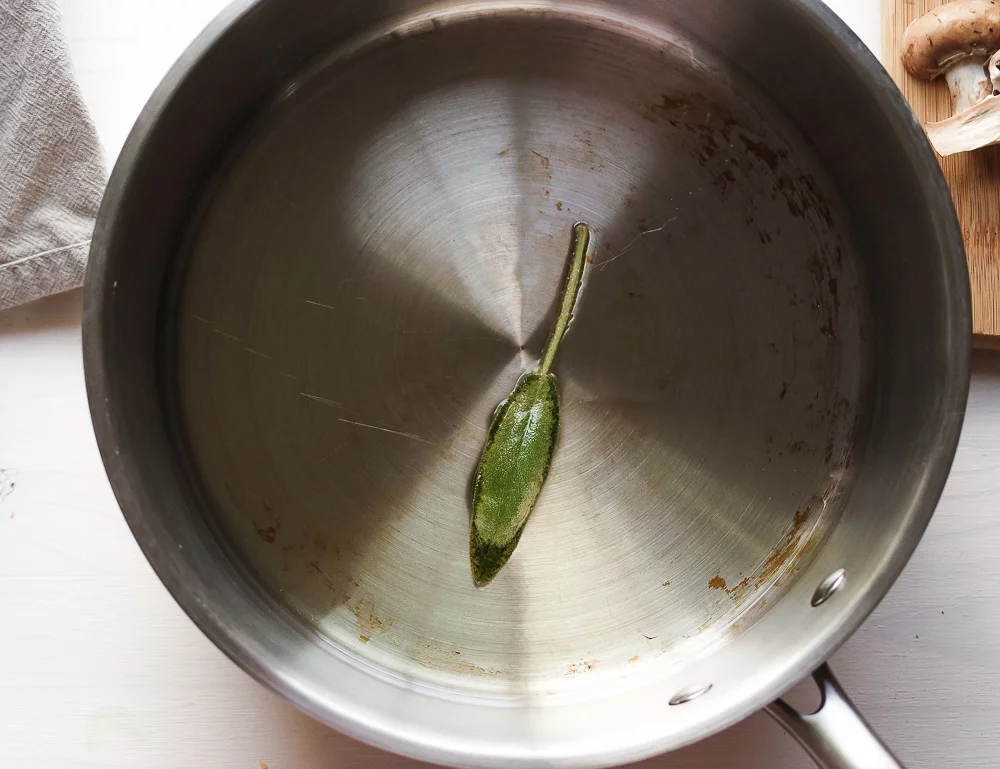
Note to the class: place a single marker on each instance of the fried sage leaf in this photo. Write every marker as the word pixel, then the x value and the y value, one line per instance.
pixel 520 444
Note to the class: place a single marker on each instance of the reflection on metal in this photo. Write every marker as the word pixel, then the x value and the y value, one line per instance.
pixel 829 586
pixel 686 695
pixel 404 259
pixel 291 410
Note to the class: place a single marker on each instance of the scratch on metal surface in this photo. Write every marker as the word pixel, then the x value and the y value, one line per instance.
pixel 258 352
pixel 632 242
pixel 227 335
pixel 642 234
pixel 319 304
pixel 317 398
pixel 338 448
pixel 470 422
pixel 388 430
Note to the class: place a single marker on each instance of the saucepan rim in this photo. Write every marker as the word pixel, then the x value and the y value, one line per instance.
pixel 253 658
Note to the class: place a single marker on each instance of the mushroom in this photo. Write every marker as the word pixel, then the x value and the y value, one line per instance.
pixel 960 40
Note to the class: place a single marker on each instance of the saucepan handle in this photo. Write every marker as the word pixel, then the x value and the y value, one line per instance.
pixel 836 735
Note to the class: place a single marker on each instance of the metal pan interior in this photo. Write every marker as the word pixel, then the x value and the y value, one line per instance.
pixel 379 259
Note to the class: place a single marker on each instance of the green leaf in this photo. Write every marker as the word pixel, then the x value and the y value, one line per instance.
pixel 520 444
pixel 513 467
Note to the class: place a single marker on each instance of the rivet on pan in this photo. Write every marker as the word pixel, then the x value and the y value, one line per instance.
pixel 829 586
pixel 691 693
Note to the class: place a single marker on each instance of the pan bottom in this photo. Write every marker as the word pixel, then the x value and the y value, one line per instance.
pixel 379 261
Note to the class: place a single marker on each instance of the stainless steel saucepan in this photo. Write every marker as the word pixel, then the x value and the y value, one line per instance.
pixel 336 237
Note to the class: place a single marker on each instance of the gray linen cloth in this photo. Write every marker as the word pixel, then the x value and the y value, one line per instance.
pixel 51 170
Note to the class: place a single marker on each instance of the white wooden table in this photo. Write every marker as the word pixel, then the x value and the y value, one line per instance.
pixel 99 667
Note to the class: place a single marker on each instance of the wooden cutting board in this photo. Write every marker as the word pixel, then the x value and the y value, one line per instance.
pixel 974 177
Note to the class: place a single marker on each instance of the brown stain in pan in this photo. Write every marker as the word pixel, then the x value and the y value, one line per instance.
pixel 738 591
pixel 544 160
pixel 787 555
pixel 788 548
pixel 437 657
pixel 369 623
pixel 748 618
pixel 267 534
